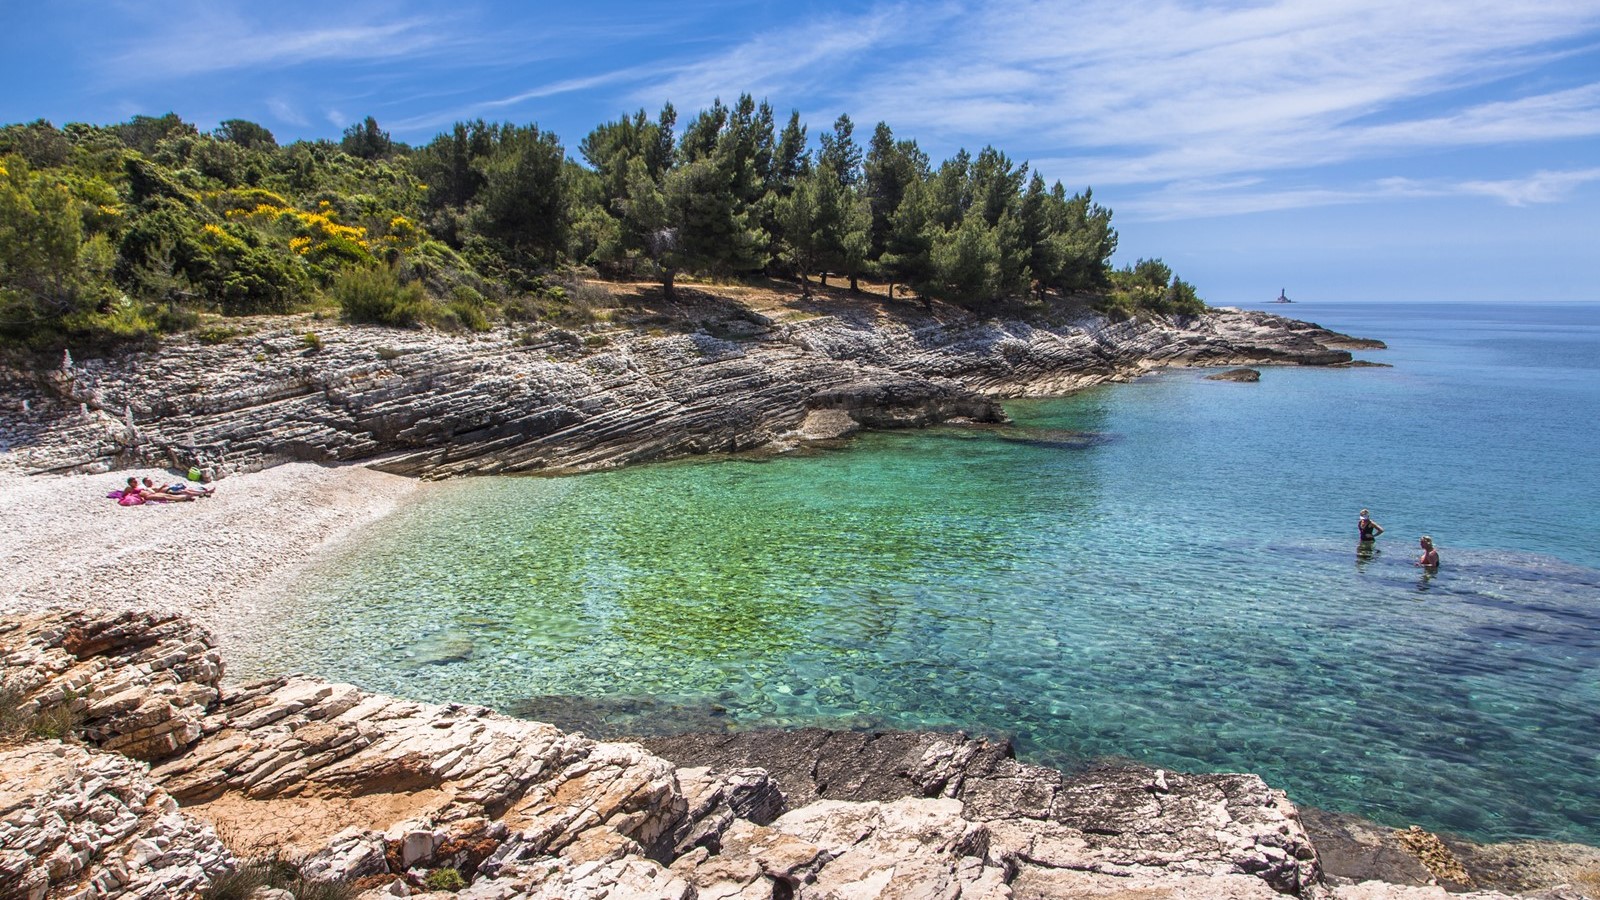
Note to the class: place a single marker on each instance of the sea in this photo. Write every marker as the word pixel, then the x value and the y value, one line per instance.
pixel 1164 571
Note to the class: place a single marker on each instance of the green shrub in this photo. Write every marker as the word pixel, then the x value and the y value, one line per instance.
pixel 312 340
pixel 375 295
pixel 174 317
pixel 445 879
pixel 217 334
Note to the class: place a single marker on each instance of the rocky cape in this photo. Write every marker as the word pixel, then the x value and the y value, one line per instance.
pixel 716 376
pixel 172 775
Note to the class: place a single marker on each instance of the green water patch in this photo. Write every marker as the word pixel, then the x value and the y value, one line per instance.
pixel 1164 571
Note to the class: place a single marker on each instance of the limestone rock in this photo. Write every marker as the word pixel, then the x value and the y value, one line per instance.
pixel 1241 374
pixel 541 399
pixel 75 820
pixel 137 682
pixel 380 791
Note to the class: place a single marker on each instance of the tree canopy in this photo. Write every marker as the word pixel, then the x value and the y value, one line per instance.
pixel 134 228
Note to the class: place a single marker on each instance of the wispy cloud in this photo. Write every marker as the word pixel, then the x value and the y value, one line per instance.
pixel 206 40
pixel 797 60
pixel 286 112
pixel 1203 199
pixel 1178 90
pixel 1540 187
pixel 552 89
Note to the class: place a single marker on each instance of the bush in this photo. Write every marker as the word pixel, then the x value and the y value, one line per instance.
pixel 376 296
pixel 445 879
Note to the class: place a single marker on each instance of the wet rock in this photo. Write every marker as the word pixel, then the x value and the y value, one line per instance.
pixel 1247 375
pixel 1354 850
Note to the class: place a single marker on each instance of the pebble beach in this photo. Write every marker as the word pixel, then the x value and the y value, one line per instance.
pixel 63 543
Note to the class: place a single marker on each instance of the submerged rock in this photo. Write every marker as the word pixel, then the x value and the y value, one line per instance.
pixel 1236 375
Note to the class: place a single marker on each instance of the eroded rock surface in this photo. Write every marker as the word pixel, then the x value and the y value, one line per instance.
pixel 544 399
pixel 380 791
pixel 78 823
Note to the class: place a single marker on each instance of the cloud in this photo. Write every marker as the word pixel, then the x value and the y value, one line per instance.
pixel 204 39
pixel 1540 187
pixel 1203 199
pixel 795 60
pixel 1179 90
pixel 286 112
pixel 551 89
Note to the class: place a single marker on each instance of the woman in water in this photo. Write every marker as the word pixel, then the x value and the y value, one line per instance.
pixel 1367 529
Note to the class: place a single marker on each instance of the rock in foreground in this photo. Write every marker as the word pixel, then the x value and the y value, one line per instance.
pixel 361 787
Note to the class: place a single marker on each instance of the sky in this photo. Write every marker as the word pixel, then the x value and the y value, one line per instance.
pixel 1341 150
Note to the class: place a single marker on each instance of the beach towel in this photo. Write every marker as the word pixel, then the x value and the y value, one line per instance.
pixel 130 500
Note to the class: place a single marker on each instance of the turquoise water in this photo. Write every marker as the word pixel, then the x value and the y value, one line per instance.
pixel 1164 571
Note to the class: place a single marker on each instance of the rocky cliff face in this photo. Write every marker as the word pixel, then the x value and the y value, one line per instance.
pixel 380 792
pixel 727 380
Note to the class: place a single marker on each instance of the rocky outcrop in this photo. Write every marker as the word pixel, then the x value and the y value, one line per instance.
pixel 1242 374
pixel 88 824
pixel 546 399
pixel 380 791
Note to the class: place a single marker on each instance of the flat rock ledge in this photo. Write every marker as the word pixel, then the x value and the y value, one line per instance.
pixel 544 399
pixel 174 777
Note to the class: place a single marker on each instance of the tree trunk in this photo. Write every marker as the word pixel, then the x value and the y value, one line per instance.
pixel 805 286
pixel 891 290
pixel 823 277
pixel 666 285
pixel 854 288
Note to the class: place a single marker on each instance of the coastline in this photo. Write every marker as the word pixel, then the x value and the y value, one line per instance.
pixel 220 560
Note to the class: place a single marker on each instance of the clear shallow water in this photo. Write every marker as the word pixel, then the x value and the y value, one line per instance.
pixel 1163 571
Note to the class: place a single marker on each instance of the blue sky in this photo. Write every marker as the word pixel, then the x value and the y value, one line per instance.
pixel 1342 149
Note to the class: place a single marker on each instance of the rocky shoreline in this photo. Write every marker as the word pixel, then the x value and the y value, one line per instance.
pixel 725 378
pixel 170 777
pixel 159 778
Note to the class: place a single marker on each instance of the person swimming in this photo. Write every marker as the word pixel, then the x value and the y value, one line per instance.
pixel 1366 529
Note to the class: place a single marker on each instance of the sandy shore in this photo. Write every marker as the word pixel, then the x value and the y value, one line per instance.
pixel 63 543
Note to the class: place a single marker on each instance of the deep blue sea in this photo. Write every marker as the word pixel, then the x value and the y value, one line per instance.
pixel 1164 571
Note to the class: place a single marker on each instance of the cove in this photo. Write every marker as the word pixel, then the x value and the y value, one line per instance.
pixel 1163 571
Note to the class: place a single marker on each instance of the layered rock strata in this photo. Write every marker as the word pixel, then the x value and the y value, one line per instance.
pixel 367 786
pixel 380 791
pixel 546 399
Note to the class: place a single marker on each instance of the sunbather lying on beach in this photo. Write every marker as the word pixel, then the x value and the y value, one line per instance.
pixel 180 489
pixel 135 493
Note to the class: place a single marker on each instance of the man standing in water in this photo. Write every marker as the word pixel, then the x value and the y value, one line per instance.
pixel 1367 529
pixel 1430 557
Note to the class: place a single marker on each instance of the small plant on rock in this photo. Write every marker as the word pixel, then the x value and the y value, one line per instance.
pixel 445 879
pixel 274 871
